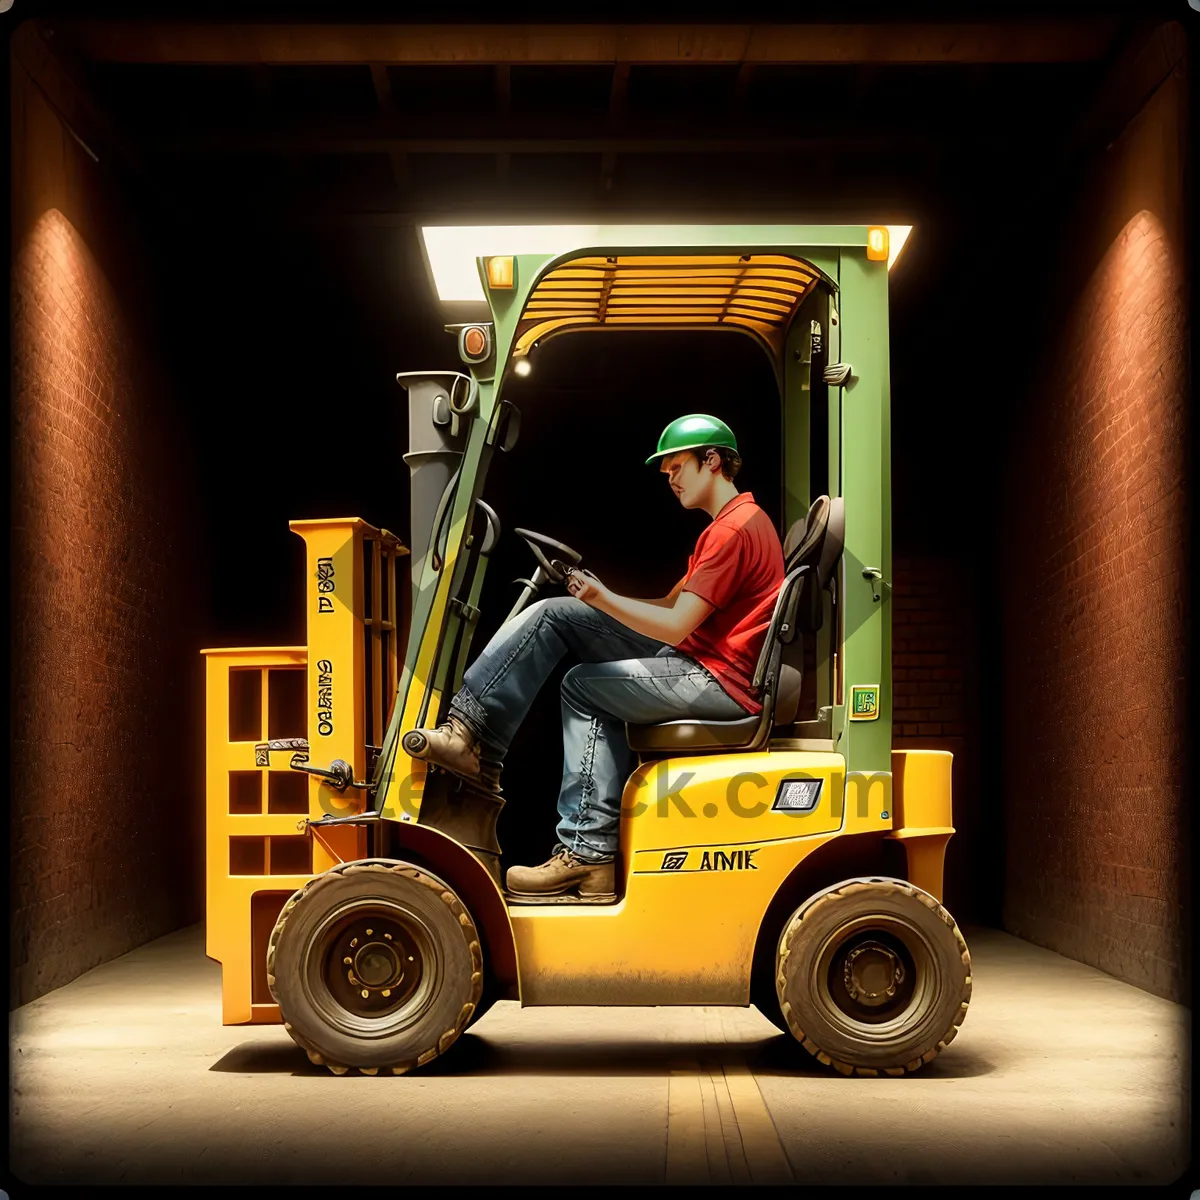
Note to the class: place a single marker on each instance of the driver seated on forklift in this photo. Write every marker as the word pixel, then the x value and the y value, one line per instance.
pixel 690 654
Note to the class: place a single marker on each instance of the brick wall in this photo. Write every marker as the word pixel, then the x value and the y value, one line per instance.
pixel 1095 575
pixel 935 706
pixel 932 637
pixel 105 837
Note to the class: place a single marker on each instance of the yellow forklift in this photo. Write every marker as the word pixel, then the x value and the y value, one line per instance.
pixel 790 860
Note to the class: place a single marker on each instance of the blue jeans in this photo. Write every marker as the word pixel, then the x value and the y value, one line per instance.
pixel 622 676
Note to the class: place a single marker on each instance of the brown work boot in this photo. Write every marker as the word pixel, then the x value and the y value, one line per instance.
pixel 452 745
pixel 563 879
pixel 489 775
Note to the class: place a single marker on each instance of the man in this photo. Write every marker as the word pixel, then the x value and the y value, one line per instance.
pixel 689 654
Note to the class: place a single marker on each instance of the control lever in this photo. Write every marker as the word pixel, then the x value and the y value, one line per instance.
pixel 528 591
pixel 340 773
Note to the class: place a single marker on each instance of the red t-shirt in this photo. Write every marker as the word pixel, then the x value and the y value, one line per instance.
pixel 738 568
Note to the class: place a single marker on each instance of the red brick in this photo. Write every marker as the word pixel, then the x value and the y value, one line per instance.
pixel 105 680
pixel 1096 578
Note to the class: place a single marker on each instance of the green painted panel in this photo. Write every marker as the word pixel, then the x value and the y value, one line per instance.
pixel 866 481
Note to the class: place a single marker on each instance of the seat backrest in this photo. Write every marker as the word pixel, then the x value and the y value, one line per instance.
pixel 821 551
pixel 811 551
pixel 832 543
pixel 805 538
pixel 795 536
pixel 781 629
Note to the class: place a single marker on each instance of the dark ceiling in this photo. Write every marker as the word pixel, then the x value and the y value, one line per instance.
pixel 311 124
pixel 369 123
pixel 300 156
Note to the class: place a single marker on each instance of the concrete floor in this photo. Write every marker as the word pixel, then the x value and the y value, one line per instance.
pixel 1061 1074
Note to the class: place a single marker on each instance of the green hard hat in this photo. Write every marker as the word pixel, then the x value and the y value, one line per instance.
pixel 692 432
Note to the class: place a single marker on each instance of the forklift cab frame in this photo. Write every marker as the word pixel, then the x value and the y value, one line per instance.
pixel 814 299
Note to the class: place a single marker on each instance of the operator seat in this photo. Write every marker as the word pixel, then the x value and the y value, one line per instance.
pixel 810 554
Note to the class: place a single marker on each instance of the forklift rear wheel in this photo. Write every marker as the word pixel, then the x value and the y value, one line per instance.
pixel 873 977
pixel 376 966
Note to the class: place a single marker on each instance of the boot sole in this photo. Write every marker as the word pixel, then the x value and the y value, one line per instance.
pixel 560 897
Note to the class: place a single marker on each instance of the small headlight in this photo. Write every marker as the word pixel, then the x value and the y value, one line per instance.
pixel 475 343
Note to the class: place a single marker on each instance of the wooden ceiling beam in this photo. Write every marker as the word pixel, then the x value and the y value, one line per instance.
pixel 1029 41
pixel 889 144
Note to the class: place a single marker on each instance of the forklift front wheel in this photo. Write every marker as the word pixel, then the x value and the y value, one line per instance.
pixel 873 977
pixel 375 966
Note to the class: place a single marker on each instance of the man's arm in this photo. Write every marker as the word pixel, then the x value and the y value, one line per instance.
pixel 668 620
pixel 669 599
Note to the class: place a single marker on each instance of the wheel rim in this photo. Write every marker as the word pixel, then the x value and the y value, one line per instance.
pixel 371 968
pixel 877 980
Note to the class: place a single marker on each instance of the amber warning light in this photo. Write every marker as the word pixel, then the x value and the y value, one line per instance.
pixel 877 243
pixel 500 272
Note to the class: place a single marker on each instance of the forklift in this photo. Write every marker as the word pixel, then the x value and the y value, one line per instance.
pixel 791 860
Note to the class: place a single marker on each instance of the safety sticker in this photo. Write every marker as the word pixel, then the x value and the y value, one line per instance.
pixel 864 702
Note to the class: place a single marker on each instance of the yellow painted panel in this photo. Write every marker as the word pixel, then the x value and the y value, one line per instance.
pixel 334 606
pixel 227 930
pixel 702 856
pixel 923 799
pixel 336 729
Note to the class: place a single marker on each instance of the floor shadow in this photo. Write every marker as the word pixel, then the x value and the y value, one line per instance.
pixel 783 1055
pixel 266 1058
pixel 476 1055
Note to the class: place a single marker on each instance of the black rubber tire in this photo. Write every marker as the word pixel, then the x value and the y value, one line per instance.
pixel 940 965
pixel 481 1010
pixel 428 1023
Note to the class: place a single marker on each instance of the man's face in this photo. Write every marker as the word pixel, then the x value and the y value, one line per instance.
pixel 689 480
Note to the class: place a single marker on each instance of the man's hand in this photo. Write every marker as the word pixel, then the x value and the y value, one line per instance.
pixel 583 585
pixel 669 620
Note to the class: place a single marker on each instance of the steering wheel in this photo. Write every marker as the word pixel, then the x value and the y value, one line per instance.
pixel 555 568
